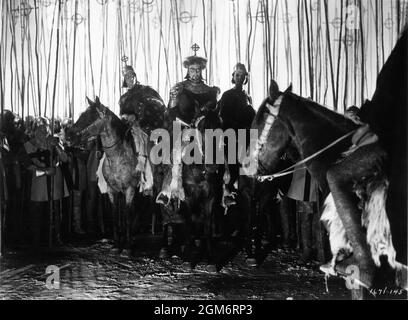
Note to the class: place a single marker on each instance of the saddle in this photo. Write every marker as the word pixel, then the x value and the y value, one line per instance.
pixel 363 136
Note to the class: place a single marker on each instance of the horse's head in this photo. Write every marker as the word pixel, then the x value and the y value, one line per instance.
pixel 273 137
pixel 293 123
pixel 89 124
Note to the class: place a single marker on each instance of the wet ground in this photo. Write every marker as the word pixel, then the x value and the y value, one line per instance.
pixel 94 271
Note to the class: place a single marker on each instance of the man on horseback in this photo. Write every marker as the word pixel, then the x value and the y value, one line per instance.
pixel 142 108
pixel 236 112
pixel 379 149
pixel 205 99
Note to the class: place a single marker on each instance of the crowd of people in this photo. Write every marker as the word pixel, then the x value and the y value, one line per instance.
pixel 50 189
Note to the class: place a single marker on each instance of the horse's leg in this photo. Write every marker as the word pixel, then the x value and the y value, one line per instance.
pixel 113 197
pixel 362 163
pixel 164 250
pixel 165 241
pixel 208 233
pixel 185 232
pixel 121 222
pixel 129 195
pixel 247 206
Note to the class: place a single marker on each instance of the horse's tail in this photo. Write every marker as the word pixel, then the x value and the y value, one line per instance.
pixel 334 226
pixel 375 220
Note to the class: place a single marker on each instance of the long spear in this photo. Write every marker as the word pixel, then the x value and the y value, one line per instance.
pixel 398 15
pixel 51 198
pixel 71 107
pixel 346 67
pixel 37 59
pixel 1 119
pixel 329 48
pixel 300 26
pixel 49 60
pixel 90 47
pixel 103 49
pixel 249 44
pixel 362 53
pixel 14 51
pixel 309 52
pixel 1 65
pixel 339 57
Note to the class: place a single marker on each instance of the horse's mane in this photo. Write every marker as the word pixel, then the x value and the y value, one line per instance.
pixel 321 112
pixel 117 124
pixel 262 109
pixel 337 120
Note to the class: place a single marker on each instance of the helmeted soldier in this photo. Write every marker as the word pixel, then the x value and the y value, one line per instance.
pixel 143 110
pixel 237 113
pixel 142 102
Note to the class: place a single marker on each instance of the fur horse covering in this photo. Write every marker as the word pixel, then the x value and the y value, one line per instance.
pixel 374 219
pixel 143 167
pixel 102 184
pixel 372 193
pixel 173 180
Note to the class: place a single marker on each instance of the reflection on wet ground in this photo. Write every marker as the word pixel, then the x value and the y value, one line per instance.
pixel 93 271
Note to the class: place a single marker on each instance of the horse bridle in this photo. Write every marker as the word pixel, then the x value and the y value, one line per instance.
pixel 92 125
pixel 273 115
pixel 194 125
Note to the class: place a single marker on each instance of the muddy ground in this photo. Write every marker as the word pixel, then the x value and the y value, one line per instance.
pixel 94 271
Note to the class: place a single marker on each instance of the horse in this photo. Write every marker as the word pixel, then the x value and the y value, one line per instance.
pixel 118 169
pixel 322 138
pixel 191 223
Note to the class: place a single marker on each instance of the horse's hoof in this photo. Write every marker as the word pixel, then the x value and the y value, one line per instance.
pixel 163 199
pixel 117 250
pixel 187 266
pixel 148 193
pixel 211 268
pixel 251 262
pixel 328 269
pixel 164 253
pixel 126 253
pixel 362 274
pixel 229 201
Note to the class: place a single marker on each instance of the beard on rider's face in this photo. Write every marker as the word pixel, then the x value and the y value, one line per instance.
pixel 194 72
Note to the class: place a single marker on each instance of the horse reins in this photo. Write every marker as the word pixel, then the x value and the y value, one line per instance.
pixel 286 171
pixel 95 135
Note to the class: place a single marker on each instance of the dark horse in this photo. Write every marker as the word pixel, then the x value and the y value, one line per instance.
pixel 190 224
pixel 378 229
pixel 292 121
pixel 119 165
